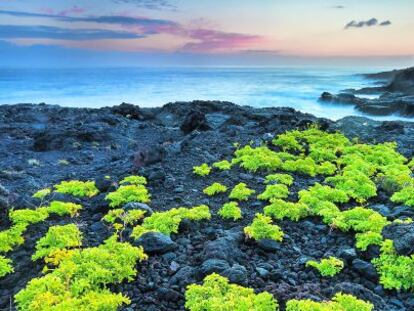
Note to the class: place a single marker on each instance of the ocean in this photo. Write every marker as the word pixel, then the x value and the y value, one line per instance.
pixel 298 88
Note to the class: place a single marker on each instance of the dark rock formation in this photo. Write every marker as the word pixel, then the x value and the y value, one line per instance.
pixel 395 96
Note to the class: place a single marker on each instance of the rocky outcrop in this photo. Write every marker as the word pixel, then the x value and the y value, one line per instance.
pixel 395 96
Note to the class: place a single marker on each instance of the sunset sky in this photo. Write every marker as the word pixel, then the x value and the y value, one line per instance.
pixel 128 32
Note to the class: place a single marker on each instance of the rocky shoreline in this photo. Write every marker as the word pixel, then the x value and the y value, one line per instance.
pixel 41 145
pixel 395 94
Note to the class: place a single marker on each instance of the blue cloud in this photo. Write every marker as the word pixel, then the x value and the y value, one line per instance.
pixel 149 25
pixel 49 32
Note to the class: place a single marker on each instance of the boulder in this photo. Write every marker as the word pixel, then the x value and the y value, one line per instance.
pixel 402 236
pixel 128 110
pixel 155 243
pixel 365 269
pixel 195 120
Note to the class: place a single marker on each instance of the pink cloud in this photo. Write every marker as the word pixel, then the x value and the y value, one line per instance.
pixel 212 40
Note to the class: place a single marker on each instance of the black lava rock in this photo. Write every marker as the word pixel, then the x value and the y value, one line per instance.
pixel 365 269
pixel 155 243
pixel 402 236
pixel 195 120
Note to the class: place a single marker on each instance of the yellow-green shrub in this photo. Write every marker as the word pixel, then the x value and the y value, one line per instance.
pixel 327 266
pixel 77 188
pixel 216 293
pixel 230 210
pixel 128 193
pixel 340 302
pixel 241 192
pixel 262 228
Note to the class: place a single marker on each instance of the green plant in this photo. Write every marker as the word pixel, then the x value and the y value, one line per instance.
pixel 280 209
pixel 27 217
pixel 63 208
pixel 80 280
pixel 279 178
pixel 222 165
pixel 288 141
pixel 128 193
pixel 411 164
pixel 254 159
pixel 42 194
pixel 216 293
pixel 367 222
pixel 365 239
pixel 355 184
pixel 214 189
pixel 326 168
pixel 241 192
pixel 262 228
pixel 77 188
pixel 274 192
pixel 5 266
pixel 395 271
pixel 230 210
pixel 125 217
pixel 202 170
pixel 57 238
pixel 11 237
pixel 404 196
pixel 168 222
pixel 306 166
pixel 327 266
pixel 323 193
pixel 340 302
pixel 134 180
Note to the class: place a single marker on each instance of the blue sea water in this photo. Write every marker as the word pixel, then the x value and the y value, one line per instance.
pixel 298 88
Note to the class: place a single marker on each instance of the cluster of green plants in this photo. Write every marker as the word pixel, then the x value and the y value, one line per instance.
pixel 241 192
pixel 230 210
pixel 77 188
pixel 134 180
pixel 81 278
pixel 223 165
pixel 285 179
pixel 63 208
pixel 254 159
pixel 405 196
pixel 23 218
pixel 274 192
pixel 5 266
pixel 280 209
pixel 202 170
pixel 58 238
pixel 168 222
pixel 308 166
pixel 327 266
pixel 216 293
pixel 395 271
pixel 340 302
pixel 262 228
pixel 355 184
pixel 367 223
pixel 128 193
pixel 214 189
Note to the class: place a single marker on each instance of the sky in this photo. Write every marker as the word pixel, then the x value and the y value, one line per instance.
pixel 205 32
